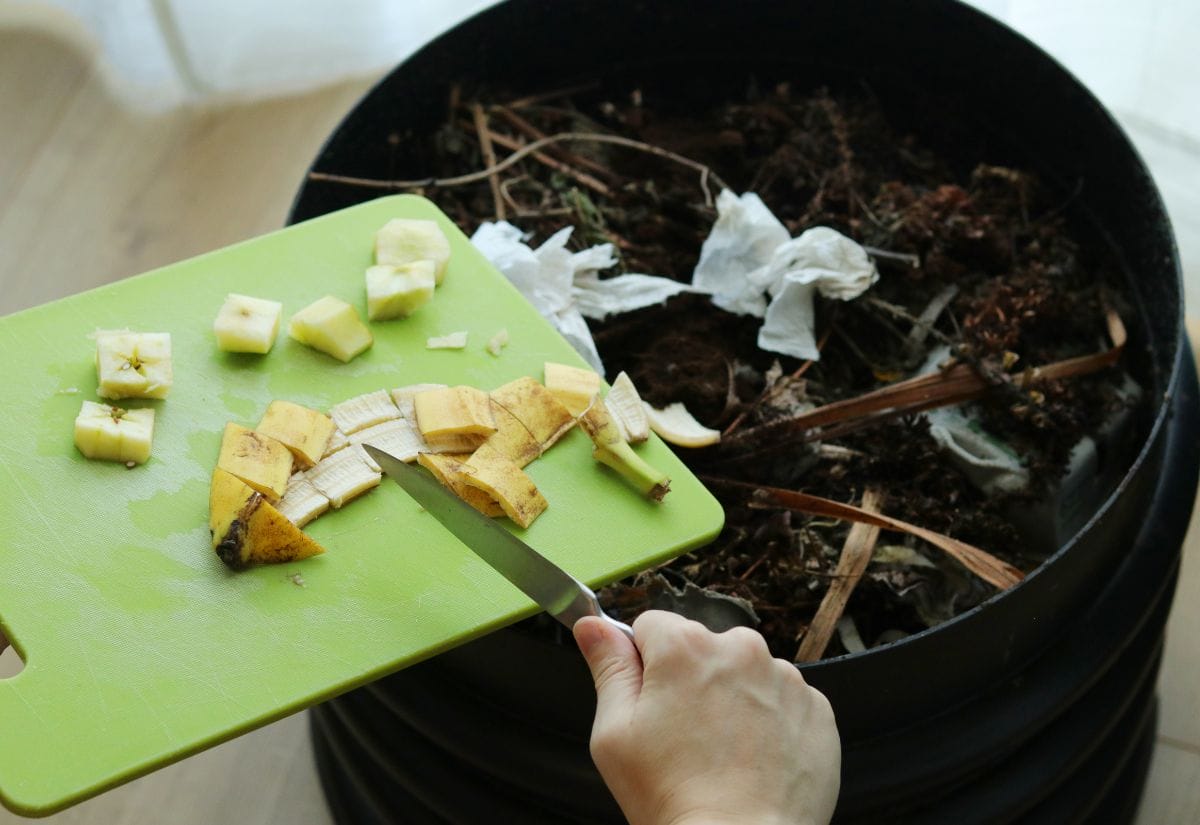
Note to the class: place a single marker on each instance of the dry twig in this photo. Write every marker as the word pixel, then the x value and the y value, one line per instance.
pixel 489 158
pixel 856 555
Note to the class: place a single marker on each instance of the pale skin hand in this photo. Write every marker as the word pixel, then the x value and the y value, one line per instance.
pixel 699 728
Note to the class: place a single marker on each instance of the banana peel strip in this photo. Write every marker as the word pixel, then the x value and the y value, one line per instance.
pixel 999 574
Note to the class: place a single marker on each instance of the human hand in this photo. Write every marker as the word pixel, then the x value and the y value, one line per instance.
pixel 696 727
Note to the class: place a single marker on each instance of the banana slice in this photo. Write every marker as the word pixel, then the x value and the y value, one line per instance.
pixel 246 324
pixel 304 431
pixel 454 411
pixel 511 440
pixel 543 415
pixel 337 441
pixel 302 502
pixel 247 530
pixel 133 364
pixel 399 438
pixel 343 476
pixel 258 460
pixel 363 411
pixel 452 472
pixel 114 434
pixel 507 484
pixel 576 388
pixel 625 405
pixel 674 424
pixel 403 398
pixel 404 240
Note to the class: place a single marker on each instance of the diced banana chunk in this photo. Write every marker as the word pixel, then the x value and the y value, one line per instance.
pixel 403 398
pixel 576 388
pixel 398 290
pixel 362 411
pixel 404 240
pixel 344 475
pixel 332 326
pixel 675 425
pixel 454 411
pixel 625 406
pixel 498 342
pixel 113 433
pixel 246 324
pixel 302 502
pixel 133 364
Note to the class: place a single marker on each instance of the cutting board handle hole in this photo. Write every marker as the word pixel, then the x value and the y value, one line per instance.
pixel 11 662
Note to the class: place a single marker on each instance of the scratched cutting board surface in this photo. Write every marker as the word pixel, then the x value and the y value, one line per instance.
pixel 140 646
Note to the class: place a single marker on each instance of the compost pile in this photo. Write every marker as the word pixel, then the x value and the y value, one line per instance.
pixel 976 260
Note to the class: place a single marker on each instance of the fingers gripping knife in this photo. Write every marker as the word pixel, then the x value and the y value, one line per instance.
pixel 558 593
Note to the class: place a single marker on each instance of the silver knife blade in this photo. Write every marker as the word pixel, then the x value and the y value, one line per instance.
pixel 557 592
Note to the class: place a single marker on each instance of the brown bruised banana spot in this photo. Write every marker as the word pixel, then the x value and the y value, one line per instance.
pixel 232 549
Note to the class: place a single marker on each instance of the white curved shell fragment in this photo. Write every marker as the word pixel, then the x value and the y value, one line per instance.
pixel 675 425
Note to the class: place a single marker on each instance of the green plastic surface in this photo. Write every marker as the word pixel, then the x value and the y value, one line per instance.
pixel 140 646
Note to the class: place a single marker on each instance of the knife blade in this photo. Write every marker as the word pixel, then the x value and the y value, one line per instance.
pixel 557 592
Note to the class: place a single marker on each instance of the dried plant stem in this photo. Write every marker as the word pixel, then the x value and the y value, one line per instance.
pixel 559 166
pixel 992 570
pixel 856 555
pixel 533 133
pixel 489 158
pixel 706 174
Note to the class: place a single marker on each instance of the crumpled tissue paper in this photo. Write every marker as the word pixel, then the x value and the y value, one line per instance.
pixel 749 256
pixel 565 286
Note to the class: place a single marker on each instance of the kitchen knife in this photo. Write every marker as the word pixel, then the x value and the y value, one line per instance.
pixel 557 592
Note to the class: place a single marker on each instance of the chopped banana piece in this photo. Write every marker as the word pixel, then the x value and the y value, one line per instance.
pixel 451 471
pixel 304 431
pixel 404 240
pixel 246 324
pixel 512 440
pixel 133 364
pixel 337 441
pixel 536 408
pixel 508 484
pixel 332 326
pixel 258 460
pixel 403 398
pixel 626 408
pixel 612 450
pixel 455 340
pixel 498 342
pixel 576 388
pixel 675 425
pixel 247 530
pixel 114 434
pixel 450 444
pixel 397 291
pixel 344 476
pixel 454 411
pixel 302 502
pixel 399 438
pixel 362 411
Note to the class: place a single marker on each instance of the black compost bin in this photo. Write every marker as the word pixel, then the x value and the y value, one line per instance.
pixel 1037 706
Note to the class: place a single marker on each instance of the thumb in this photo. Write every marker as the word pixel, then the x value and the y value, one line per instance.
pixel 614 661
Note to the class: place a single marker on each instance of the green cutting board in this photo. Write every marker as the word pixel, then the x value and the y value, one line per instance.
pixel 140 646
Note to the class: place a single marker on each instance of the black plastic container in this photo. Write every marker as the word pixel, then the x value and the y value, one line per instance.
pixel 936 727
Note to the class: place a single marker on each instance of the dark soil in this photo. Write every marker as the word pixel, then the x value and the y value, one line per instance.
pixel 1030 289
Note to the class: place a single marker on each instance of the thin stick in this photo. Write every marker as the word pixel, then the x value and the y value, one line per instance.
pixel 522 153
pixel 557 165
pixel 856 555
pixel 992 570
pixel 534 133
pixel 489 158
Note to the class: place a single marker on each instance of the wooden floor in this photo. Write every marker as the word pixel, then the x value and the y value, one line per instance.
pixel 90 193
